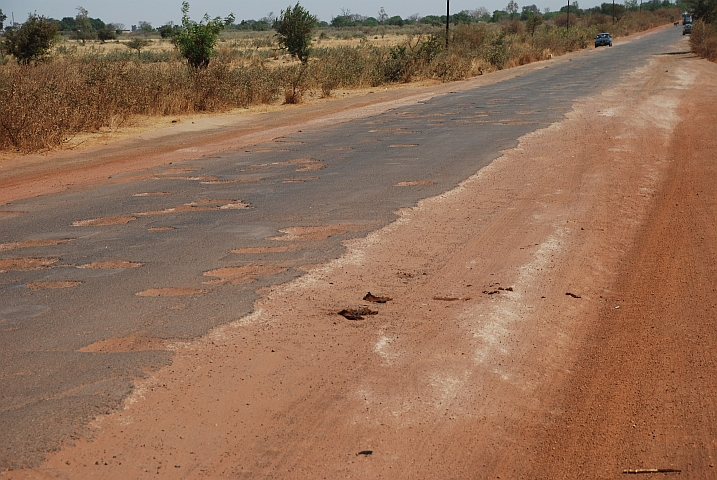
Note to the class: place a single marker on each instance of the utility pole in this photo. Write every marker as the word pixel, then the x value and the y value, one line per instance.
pixel 613 11
pixel 448 19
pixel 568 14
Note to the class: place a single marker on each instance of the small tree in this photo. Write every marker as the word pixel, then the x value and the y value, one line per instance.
pixel 83 26
pixel 196 41
pixel 512 8
pixel 396 21
pixel 532 24
pixel 705 10
pixel 105 34
pixel 167 30
pixel 32 41
pixel 294 28
pixel 145 27
pixel 137 44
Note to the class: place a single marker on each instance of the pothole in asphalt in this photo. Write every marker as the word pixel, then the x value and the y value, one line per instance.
pixel 416 183
pixel 395 131
pixel 339 149
pixel 112 264
pixel 297 161
pixel 25 264
pixel 241 275
pixel 160 229
pixel 104 221
pixel 134 343
pixel 299 180
pixel 5 213
pixel 403 145
pixel 356 313
pixel 311 168
pixel 268 150
pixel 52 285
pixel 282 249
pixel 236 180
pixel 5 247
pixel 512 122
pixel 311 233
pixel 152 194
pixel 178 171
pixel 188 179
pixel 170 292
pixel 200 206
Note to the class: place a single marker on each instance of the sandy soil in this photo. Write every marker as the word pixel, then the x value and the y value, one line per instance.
pixel 549 318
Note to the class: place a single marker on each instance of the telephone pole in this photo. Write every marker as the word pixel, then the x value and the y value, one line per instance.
pixel 568 14
pixel 448 18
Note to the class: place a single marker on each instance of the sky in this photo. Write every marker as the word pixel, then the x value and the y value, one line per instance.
pixel 159 12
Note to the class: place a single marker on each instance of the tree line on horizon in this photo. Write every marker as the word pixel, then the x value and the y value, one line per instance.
pixel 32 40
pixel 82 27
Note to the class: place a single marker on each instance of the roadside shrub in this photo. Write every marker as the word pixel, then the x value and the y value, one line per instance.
pixel 341 67
pixel 196 40
pixel 449 67
pixel 43 105
pixel 496 54
pixel 32 40
pixel 470 35
pixel 294 31
pixel 703 40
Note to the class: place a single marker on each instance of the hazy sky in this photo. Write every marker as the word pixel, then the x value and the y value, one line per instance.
pixel 159 12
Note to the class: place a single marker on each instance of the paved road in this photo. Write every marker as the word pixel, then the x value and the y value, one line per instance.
pixel 191 239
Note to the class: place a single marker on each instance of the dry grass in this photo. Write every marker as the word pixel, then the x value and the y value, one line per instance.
pixel 703 40
pixel 87 88
pixel 46 104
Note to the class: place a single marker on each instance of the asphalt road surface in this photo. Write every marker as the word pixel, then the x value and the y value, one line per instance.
pixel 169 257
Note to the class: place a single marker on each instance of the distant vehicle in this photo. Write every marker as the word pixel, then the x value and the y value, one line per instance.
pixel 687 29
pixel 603 39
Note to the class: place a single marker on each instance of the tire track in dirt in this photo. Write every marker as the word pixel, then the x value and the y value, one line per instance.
pixel 643 392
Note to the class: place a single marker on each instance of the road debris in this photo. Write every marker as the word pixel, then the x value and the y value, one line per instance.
pixel 374 299
pixel 356 313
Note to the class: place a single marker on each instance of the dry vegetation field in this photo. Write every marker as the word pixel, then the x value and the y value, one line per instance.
pixel 703 40
pixel 94 87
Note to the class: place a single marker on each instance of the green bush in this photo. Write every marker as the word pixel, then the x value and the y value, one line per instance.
pixel 196 41
pixel 294 29
pixel 32 41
